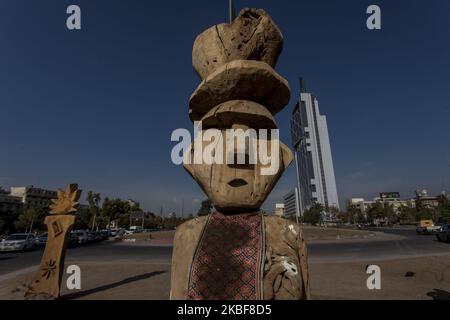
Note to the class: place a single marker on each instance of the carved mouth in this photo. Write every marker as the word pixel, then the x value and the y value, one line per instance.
pixel 237 183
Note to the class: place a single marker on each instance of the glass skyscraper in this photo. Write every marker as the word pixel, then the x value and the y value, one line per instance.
pixel 315 170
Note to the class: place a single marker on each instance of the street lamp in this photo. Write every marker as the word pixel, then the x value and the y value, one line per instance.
pixel 231 8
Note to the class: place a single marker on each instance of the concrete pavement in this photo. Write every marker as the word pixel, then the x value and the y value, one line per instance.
pixel 396 244
pixel 141 271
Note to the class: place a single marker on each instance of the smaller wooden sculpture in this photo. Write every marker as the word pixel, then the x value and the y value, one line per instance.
pixel 47 281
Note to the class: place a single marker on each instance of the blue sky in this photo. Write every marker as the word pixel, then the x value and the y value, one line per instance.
pixel 98 106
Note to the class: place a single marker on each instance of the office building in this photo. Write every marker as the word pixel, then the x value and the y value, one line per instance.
pixel 10 203
pixel 392 199
pixel 34 197
pixel 292 205
pixel 315 171
pixel 279 210
pixel 424 200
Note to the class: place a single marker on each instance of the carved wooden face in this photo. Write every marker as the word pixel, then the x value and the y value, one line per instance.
pixel 239 188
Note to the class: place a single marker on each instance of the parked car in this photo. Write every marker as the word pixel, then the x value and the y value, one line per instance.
pixel 427 227
pixel 73 240
pixel 98 237
pixel 91 236
pixel 135 229
pixel 79 237
pixel 41 240
pixel 444 234
pixel 18 242
pixel 114 232
pixel 105 234
pixel 117 233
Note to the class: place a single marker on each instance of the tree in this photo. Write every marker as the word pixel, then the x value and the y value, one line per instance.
pixel 119 211
pixel 32 218
pixel 9 218
pixel 2 226
pixel 382 212
pixel 151 221
pixel 83 219
pixel 171 222
pixel 390 214
pixel 334 211
pixel 407 215
pixel 444 208
pixel 206 208
pixel 353 214
pixel 26 219
pixel 111 210
pixel 444 202
pixel 376 212
pixel 124 221
pixel 93 200
pixel 424 213
pixel 314 214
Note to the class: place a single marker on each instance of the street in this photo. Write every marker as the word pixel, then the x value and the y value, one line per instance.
pixel 102 252
pixel 409 245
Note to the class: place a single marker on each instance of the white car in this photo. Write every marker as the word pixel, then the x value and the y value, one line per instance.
pixel 117 233
pixel 79 237
pixel 18 242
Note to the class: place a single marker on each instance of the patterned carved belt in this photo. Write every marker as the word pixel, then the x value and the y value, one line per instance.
pixel 228 262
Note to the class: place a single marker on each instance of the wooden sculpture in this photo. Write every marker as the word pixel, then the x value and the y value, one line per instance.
pixel 237 253
pixel 47 281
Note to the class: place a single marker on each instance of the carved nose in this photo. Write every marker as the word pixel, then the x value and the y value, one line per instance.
pixel 246 165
